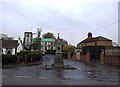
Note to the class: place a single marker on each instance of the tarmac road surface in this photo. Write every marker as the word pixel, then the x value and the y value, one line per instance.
pixel 86 74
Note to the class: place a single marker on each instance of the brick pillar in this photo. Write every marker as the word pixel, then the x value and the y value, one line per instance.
pixel 88 57
pixel 68 55
pixel 74 55
pixel 78 55
pixel 102 57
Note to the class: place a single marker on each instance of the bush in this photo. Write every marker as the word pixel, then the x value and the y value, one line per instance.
pixel 9 59
pixel 36 55
pixel 24 52
pixel 64 54
pixel 36 52
pixel 50 52
pixel 68 48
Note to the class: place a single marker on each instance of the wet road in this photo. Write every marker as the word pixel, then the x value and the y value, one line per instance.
pixel 85 74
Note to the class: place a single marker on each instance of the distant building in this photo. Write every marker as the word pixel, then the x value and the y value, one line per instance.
pixel 63 42
pixel 94 45
pixel 27 40
pixel 95 41
pixel 9 46
pixel 20 45
pixel 47 44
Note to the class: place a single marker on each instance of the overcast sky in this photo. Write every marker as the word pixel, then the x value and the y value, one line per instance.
pixel 73 19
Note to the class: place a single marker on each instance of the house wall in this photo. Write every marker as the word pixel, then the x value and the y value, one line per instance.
pixel 19 47
pixel 104 43
pixel 85 58
pixel 90 44
pixel 112 60
pixel 112 56
pixel 96 43
pixel 4 51
pixel 13 51
pixel 48 46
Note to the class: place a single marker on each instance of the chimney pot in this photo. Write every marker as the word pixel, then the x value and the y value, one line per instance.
pixel 89 35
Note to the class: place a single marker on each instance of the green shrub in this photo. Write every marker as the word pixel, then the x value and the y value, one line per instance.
pixel 36 55
pixel 24 52
pixel 36 52
pixel 64 54
pixel 50 52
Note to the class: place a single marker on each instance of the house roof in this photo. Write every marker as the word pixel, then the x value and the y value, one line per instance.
pixel 9 43
pixel 100 38
pixel 61 42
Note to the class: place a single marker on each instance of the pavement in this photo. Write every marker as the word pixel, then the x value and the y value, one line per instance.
pixel 92 73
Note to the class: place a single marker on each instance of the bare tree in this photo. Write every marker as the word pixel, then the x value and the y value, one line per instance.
pixel 5 37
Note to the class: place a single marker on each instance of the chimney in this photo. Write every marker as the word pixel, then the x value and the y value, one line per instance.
pixel 89 35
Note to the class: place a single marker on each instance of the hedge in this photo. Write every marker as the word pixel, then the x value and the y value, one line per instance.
pixel 36 55
pixel 9 58
pixel 50 52
pixel 65 54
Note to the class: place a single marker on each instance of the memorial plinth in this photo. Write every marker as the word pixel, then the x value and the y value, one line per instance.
pixel 58 61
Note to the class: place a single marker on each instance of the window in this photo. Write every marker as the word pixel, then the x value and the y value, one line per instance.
pixel 116 52
pixel 8 50
pixel 112 52
pixel 108 52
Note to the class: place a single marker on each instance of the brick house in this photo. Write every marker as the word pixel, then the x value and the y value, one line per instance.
pixel 99 48
pixel 112 55
pixel 94 45
pixel 95 41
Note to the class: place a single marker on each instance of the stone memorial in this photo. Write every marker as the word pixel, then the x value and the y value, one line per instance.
pixel 58 59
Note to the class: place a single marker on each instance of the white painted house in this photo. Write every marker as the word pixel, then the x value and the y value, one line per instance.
pixel 9 46
pixel 20 46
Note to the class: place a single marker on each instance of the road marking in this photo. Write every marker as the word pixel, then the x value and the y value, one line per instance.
pixel 89 73
pixel 43 77
pixel 78 68
pixel 22 76
pixel 3 76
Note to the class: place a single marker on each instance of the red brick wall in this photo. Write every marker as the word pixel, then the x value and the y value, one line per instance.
pixel 83 58
pixel 113 60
